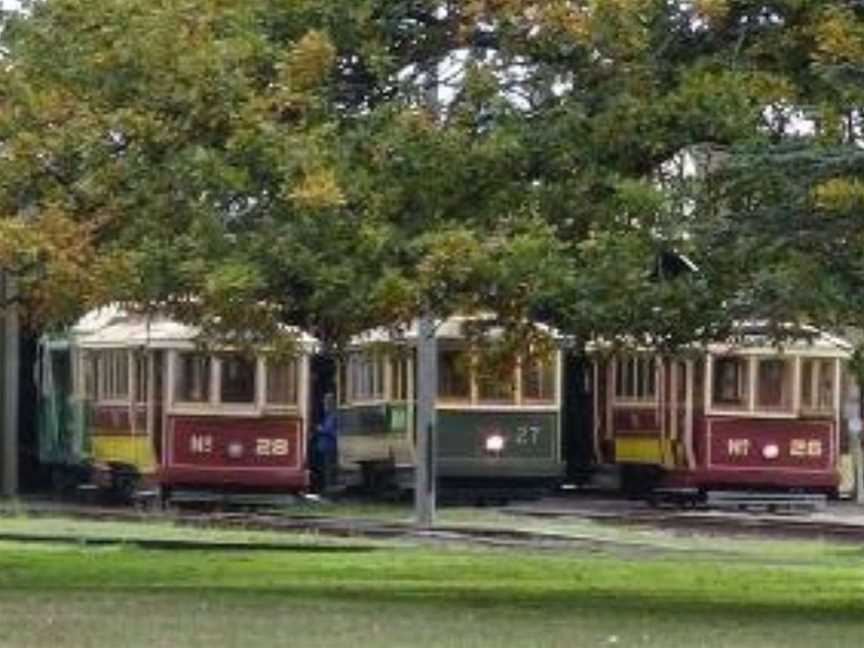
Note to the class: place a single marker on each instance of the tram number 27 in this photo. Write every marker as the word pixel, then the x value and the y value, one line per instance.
pixel 271 447
pixel 528 435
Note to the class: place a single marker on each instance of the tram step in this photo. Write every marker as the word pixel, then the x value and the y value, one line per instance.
pixel 780 502
pixel 204 497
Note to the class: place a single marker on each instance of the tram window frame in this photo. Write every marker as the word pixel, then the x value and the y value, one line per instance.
pixel 399 381
pixel 813 401
pixel 342 383
pixel 141 364
pixel 243 397
pixel 366 378
pixel 756 405
pixel 635 380
pixel 90 375
pixel 464 388
pixel 112 375
pixel 206 383
pixel 786 385
pixel 291 368
pixel 497 389
pixel 448 376
pixel 743 379
pixel 543 367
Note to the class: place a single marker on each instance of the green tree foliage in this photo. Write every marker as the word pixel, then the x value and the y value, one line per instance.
pixel 280 161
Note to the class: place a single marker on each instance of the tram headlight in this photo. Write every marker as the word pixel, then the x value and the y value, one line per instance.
pixel 771 451
pixel 235 450
pixel 494 443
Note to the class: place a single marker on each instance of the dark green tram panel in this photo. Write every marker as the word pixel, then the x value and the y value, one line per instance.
pixel 374 420
pixel 527 435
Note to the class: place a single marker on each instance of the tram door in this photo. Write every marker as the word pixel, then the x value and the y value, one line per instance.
pixel 577 412
pixel 322 382
pixel 157 376
pixel 677 420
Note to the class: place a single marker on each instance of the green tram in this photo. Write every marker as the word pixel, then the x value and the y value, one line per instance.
pixel 495 430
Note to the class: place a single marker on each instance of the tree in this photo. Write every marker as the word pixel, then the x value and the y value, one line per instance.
pixel 250 164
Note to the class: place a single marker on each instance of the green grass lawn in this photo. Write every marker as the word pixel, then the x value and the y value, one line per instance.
pixel 765 594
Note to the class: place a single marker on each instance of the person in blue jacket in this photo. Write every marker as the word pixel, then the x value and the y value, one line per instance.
pixel 324 448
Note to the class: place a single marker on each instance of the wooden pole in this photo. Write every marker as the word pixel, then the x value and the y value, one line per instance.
pixel 9 369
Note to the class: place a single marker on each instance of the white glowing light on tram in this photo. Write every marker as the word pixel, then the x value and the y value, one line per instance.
pixel 495 443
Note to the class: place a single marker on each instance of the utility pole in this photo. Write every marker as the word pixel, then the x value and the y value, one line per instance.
pixel 425 470
pixel 427 392
pixel 852 409
pixel 9 370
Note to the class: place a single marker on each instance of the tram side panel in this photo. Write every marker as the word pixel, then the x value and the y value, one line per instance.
pixel 221 437
pixel 634 413
pixel 373 433
pixel 111 386
pixel 226 452
pixel 510 446
pixel 746 452
pixel 119 436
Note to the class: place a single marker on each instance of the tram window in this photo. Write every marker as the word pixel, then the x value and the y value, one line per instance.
pixel 91 375
pixel 192 378
pixel 826 385
pixel 808 374
pixel 282 382
pixel 366 377
pixel 681 386
pixel 342 382
pixel 817 385
pixel 237 379
pixel 538 380
pixel 498 387
pixel 454 381
pixel 59 367
pixel 140 378
pixel 635 379
pixel 113 375
pixel 399 379
pixel 774 384
pixel 731 382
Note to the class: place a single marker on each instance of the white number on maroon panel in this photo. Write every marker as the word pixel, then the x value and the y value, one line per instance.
pixel 271 447
pixel 201 444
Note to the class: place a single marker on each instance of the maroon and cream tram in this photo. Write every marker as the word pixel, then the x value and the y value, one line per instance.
pixel 188 419
pixel 743 415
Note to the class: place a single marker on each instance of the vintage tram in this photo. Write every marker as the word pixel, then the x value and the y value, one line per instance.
pixel 146 401
pixel 493 432
pixel 742 415
pixel 137 402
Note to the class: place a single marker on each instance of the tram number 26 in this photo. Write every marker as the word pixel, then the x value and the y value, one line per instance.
pixel 271 447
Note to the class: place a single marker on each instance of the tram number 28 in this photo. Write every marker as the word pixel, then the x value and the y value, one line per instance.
pixel 271 447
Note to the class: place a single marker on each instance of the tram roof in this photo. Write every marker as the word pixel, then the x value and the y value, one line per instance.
pixel 759 337
pixel 113 327
pixel 451 328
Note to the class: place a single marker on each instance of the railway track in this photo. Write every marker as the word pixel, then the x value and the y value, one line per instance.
pixel 770 526
pixel 326 526
pixel 701 522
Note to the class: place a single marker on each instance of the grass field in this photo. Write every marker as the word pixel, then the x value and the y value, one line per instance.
pixel 766 594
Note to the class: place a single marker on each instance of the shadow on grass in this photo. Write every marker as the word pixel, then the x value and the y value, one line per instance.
pixel 554 603
pixel 183 545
